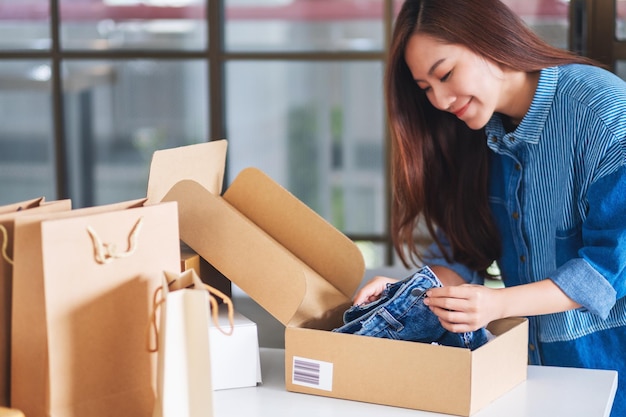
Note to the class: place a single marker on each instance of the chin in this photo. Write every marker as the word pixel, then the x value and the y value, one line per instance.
pixel 475 126
pixel 476 123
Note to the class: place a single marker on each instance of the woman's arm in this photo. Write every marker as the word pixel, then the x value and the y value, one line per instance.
pixel 464 308
pixel 447 276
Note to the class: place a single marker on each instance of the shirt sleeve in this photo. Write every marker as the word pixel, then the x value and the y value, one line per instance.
pixel 598 278
pixel 434 257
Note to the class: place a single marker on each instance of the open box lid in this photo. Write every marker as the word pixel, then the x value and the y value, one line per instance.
pixel 203 162
pixel 276 249
pixel 298 228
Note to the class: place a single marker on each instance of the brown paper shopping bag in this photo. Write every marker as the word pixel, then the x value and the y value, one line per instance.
pixel 21 205
pixel 8 214
pixel 81 304
pixel 184 304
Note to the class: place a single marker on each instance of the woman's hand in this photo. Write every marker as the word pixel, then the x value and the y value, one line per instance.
pixel 372 290
pixel 464 308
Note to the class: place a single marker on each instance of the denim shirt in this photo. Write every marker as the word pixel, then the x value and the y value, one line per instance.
pixel 558 195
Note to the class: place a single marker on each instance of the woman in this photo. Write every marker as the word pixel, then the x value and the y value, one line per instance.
pixel 514 151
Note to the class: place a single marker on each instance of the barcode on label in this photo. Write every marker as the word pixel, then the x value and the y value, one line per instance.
pixel 312 373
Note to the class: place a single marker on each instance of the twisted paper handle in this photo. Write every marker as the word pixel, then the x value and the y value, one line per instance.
pixel 107 252
pixel 214 309
pixel 5 244
pixel 158 299
pixel 154 328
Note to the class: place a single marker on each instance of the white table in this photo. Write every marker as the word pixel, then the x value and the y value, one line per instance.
pixel 548 392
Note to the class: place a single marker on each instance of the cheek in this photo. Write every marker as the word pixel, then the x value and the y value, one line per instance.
pixel 485 90
pixel 487 82
pixel 471 83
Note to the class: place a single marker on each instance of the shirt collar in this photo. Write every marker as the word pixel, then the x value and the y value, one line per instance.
pixel 529 130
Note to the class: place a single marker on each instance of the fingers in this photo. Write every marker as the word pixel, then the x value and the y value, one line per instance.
pixel 456 322
pixel 458 308
pixel 459 297
pixel 363 297
pixel 448 303
pixel 372 290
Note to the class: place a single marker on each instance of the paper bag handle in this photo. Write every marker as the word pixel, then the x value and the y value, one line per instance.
pixel 107 252
pixel 5 244
pixel 158 299
pixel 214 308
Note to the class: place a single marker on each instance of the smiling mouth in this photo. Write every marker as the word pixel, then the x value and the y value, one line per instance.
pixel 460 112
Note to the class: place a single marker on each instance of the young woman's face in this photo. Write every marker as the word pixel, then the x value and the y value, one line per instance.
pixel 455 79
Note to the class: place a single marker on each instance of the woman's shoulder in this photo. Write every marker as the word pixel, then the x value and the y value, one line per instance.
pixel 576 70
pixel 589 78
pixel 590 86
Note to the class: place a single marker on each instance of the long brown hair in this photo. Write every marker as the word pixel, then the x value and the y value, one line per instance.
pixel 439 165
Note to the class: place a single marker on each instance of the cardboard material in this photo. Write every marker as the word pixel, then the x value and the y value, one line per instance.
pixel 189 259
pixel 22 205
pixel 204 163
pixel 8 214
pixel 10 412
pixel 235 359
pixel 83 287
pixel 304 272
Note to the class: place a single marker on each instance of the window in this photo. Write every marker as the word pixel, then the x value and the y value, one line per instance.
pixel 90 88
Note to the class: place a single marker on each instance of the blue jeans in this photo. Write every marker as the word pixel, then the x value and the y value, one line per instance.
pixel 400 314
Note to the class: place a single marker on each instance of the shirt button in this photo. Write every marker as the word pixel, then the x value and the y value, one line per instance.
pixel 494 139
pixel 515 215
pixel 512 139
pixel 518 167
pixel 522 258
pixel 531 347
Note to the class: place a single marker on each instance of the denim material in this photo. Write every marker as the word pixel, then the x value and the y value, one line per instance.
pixel 400 313
pixel 584 353
pixel 564 217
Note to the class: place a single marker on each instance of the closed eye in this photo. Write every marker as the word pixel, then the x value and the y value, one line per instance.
pixel 443 79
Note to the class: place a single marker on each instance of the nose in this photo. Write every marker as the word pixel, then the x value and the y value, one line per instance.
pixel 441 98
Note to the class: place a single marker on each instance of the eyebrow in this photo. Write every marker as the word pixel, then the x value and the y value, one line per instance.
pixel 433 67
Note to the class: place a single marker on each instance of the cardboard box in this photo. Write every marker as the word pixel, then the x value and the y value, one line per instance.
pixel 235 360
pixel 304 272
pixel 10 412
pixel 204 163
pixel 189 259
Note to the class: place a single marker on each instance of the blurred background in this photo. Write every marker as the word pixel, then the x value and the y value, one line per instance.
pixel 90 88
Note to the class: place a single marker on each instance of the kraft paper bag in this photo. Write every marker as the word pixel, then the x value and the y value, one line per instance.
pixel 21 205
pixel 82 295
pixel 8 214
pixel 184 386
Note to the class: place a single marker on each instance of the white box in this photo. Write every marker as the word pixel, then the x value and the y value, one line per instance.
pixel 235 361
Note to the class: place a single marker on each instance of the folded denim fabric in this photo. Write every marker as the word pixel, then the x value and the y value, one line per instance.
pixel 400 313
